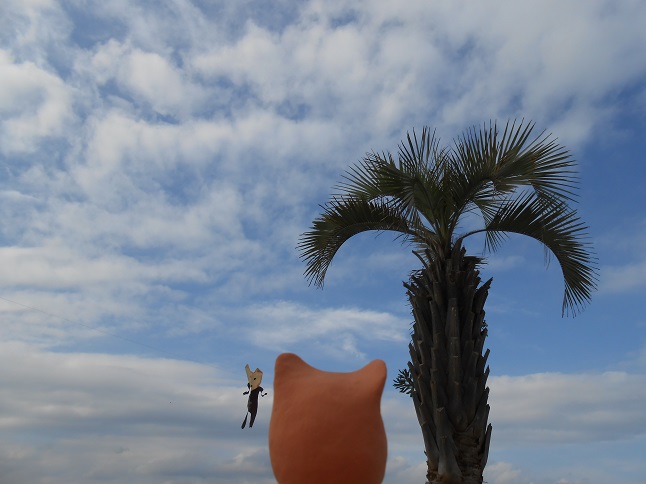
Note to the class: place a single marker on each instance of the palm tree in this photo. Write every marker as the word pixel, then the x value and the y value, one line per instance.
pixel 516 185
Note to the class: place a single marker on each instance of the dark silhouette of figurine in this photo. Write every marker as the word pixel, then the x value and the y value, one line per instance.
pixel 254 389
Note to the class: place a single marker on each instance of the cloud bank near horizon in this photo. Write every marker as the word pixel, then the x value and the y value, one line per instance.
pixel 162 419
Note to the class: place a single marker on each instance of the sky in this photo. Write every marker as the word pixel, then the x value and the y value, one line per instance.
pixel 160 160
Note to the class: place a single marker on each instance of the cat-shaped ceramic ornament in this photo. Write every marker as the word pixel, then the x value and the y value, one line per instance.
pixel 326 427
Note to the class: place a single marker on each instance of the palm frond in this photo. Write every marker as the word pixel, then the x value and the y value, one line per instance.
pixel 419 157
pixel 404 382
pixel 342 218
pixel 412 185
pixel 365 179
pixel 487 167
pixel 558 227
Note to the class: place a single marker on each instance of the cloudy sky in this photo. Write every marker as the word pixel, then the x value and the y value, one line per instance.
pixel 160 159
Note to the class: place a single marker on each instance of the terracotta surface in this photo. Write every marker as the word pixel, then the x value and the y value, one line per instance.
pixel 326 427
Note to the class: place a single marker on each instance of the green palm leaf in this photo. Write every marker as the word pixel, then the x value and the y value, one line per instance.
pixel 487 168
pixel 560 230
pixel 342 218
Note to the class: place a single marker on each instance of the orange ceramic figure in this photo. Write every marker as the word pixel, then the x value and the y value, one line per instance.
pixel 326 427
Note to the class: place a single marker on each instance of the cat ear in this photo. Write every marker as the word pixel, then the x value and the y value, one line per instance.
pixel 290 366
pixel 292 371
pixel 372 378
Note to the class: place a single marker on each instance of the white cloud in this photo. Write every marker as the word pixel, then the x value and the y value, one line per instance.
pixel 562 408
pixel 161 417
pixel 32 27
pixel 59 267
pixel 614 279
pixel 503 263
pixel 158 419
pixel 34 104
pixel 556 418
pixel 401 470
pixel 150 78
pixel 103 64
pixel 305 68
pixel 624 264
pixel 503 473
pixel 552 69
pixel 66 318
pixel 333 330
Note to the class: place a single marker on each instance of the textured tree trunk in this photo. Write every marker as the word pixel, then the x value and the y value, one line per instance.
pixel 447 367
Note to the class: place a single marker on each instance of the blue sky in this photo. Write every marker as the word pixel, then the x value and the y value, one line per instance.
pixel 160 159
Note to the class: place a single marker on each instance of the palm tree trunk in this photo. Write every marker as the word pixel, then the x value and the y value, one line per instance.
pixel 447 366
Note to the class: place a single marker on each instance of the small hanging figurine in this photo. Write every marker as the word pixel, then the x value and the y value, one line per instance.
pixel 255 378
